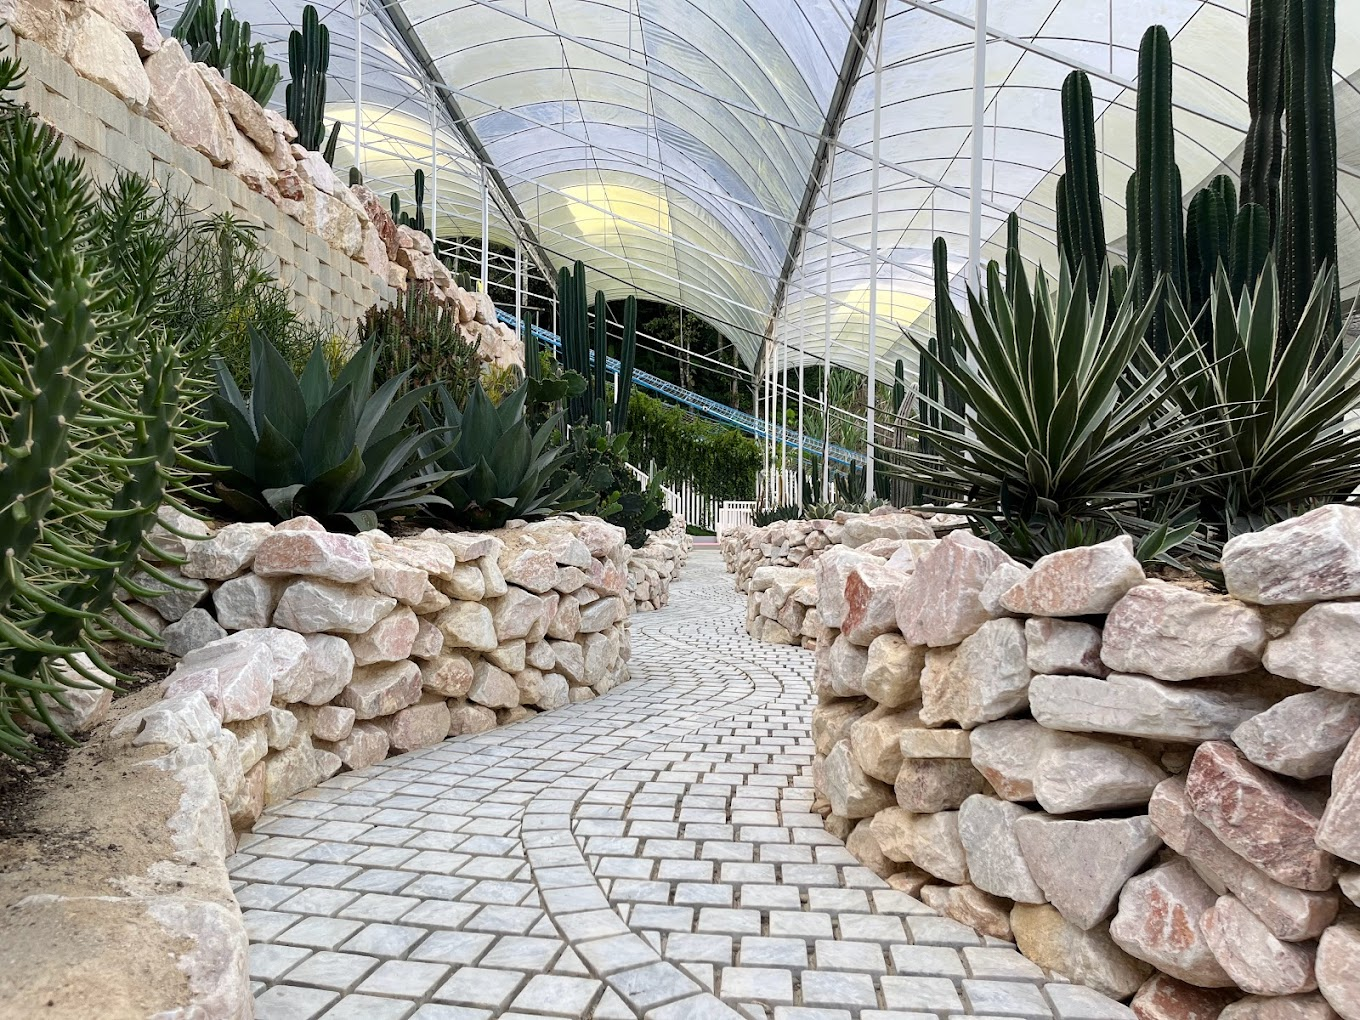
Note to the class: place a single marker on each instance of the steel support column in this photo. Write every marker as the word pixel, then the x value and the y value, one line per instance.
pixel 873 260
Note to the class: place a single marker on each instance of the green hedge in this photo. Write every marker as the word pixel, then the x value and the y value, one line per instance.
pixel 719 461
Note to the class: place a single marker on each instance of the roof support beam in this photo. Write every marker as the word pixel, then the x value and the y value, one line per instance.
pixel 505 198
pixel 851 64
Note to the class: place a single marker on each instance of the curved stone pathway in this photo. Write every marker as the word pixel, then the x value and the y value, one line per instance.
pixel 650 854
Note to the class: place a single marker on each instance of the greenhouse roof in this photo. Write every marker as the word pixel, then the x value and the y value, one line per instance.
pixel 713 153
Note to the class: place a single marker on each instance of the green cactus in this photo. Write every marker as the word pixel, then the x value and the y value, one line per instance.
pixel 1208 241
pixel 418 222
pixel 1014 265
pixel 309 57
pixel 899 390
pixel 1264 148
pixel 601 359
pixel 225 44
pixel 1306 240
pixel 947 345
pixel 578 344
pixel 1250 247
pixel 356 176
pixel 627 355
pixel 1081 203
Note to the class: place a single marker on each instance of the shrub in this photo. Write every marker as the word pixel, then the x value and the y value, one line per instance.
pixel 608 487
pixel 334 449
pixel 720 462
pixel 416 336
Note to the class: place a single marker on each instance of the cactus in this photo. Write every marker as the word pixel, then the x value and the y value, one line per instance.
pixel 601 348
pixel 225 44
pixel 1160 223
pixel 1306 239
pixel 533 367
pixel 577 347
pixel 947 346
pixel 899 390
pixel 418 222
pixel 1263 151
pixel 1250 247
pixel 309 56
pixel 1014 266
pixel 1080 202
pixel 356 176
pixel 627 355
pixel 1208 230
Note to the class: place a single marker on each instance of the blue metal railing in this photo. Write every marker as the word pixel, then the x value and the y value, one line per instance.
pixel 748 423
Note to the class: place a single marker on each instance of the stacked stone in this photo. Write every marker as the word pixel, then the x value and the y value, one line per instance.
pixel 782 544
pixel 306 652
pixel 117 45
pixel 652 568
pixel 1153 789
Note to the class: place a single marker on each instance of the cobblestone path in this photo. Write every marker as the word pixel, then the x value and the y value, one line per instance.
pixel 649 854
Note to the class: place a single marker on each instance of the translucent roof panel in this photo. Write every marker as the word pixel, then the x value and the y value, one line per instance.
pixel 926 146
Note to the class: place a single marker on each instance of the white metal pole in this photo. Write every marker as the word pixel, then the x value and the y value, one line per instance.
pixel 826 337
pixel 784 414
pixel 802 377
pixel 519 269
pixel 434 174
pixel 486 229
pixel 869 435
pixel 979 126
pixel 358 7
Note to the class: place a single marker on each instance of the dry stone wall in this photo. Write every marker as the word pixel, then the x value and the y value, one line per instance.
pixel 652 568
pixel 126 99
pixel 304 653
pixel 1151 788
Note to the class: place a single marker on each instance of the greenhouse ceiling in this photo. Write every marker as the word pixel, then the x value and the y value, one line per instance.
pixel 718 154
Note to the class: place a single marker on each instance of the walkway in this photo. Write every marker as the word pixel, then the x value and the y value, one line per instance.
pixel 649 854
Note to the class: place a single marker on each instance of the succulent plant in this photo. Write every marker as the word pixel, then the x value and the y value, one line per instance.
pixel 225 44
pixel 586 352
pixel 309 58
pixel 334 449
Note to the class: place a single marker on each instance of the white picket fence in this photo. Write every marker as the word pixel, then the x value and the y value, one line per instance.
pixel 733 514
pixel 685 501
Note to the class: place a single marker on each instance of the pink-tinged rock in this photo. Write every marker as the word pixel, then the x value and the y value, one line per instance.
pixel 331 722
pixel 1002 580
pixel 832 720
pixel 566 620
pixel 402 581
pixel 862 842
pixel 102 52
pixel 865 528
pixel 1162 997
pixel 381 690
pixel 930 841
pixel 540 655
pixel 1090 957
pixel 366 745
pixel 1160 920
pixel 249 119
pixel 916 742
pixel 569 659
pixel 227 553
pixel 1303 735
pixel 466 583
pixel 45 22
pixel 492 686
pixel 1320 648
pixel 1259 817
pixel 1338 969
pixel 871 602
pixel 465 718
pixel 311 607
pixel 1079 773
pixel 391 639
pixel 987 678
pixel 302 523
pixel 1312 558
pixel 1077 582
pixel 1172 633
pixel 939 604
pixel 995 862
pixel 542 690
pixel 601 613
pixel 534 570
pixel 1254 959
pixel 1279 1007
pixel 281 727
pixel 852 793
pixel 330 667
pixel 1082 865
pixel 341 558
pixel 246 602
pixel 892 671
pixel 832 572
pixel 875 741
pixel 448 674
pixel 1063 647
pixel 509 656
pixel 570 579
pixel 289 772
pixel 1291 915
pixel 429 640
pixel 846 665
pixel 1007 754
pixel 236 679
pixel 513 614
pixel 467 625
pixel 927 785
pixel 1139 706
pixel 433 557
pixel 423 724
pixel 1339 830
pixel 171 601
pixel 969 905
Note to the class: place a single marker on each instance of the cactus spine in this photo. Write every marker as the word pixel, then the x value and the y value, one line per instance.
pixel 1160 225
pixel 946 346
pixel 309 57
pixel 1080 202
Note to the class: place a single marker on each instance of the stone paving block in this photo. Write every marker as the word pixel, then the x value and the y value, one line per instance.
pixel 339 971
pixel 293 1002
pixel 757 984
pixel 558 996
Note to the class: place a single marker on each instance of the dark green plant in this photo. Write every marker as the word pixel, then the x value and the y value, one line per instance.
pixel 493 467
pixel 585 351
pixel 1081 223
pixel 416 337
pixel 718 461
pixel 606 486
pixel 334 449
pixel 225 44
pixel 98 413
pixel 1264 148
pixel 899 390
pixel 309 58
pixel 766 516
pixel 356 176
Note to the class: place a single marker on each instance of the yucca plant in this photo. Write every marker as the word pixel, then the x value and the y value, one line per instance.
pixel 1064 418
pixel 1277 405
pixel 334 449
pixel 492 467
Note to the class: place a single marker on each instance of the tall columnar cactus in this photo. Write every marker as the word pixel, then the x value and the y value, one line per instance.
pixel 418 222
pixel 1014 267
pixel 1208 241
pixel 1160 222
pixel 601 359
pixel 899 390
pixel 627 356
pixel 947 345
pixel 1264 148
pixel 309 57
pixel 586 352
pixel 225 44
pixel 1307 231
pixel 1083 240
pixel 1250 247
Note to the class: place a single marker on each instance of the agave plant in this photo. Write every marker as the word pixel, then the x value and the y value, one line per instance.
pixel 333 449
pixel 1277 405
pixel 492 467
pixel 1063 418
